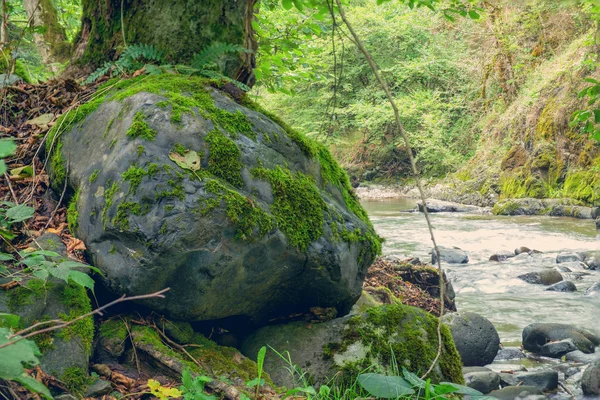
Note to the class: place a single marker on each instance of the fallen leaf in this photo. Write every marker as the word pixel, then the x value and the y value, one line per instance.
pixel 22 172
pixel 41 121
pixel 191 160
pixel 75 244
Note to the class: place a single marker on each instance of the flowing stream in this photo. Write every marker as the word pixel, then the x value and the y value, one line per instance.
pixel 492 289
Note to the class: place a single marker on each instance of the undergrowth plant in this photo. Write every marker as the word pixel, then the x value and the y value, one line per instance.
pixel 148 58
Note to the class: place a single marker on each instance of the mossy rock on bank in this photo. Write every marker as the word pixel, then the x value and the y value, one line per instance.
pixel 373 340
pixel 156 356
pixel 64 351
pixel 179 186
pixel 550 207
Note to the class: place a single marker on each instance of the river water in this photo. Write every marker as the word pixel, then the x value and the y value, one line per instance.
pixel 492 289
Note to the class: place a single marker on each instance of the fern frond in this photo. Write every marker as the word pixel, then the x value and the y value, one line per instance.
pixel 97 74
pixel 213 51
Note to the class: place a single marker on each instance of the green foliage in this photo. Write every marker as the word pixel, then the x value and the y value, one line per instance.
pixel 589 119
pixel 260 362
pixel 224 158
pixel 10 214
pixel 138 56
pixel 193 387
pixel 139 128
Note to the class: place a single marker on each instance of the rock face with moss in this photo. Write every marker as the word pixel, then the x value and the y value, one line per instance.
pixel 64 352
pixel 179 186
pixel 376 339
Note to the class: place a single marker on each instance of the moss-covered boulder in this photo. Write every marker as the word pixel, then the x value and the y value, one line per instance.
pixel 376 339
pixel 177 185
pixel 66 352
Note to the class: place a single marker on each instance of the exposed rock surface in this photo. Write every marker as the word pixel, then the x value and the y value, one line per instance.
pixel 546 276
pixel 590 382
pixel 176 185
pixel 502 256
pixel 564 286
pixel 568 257
pixel 558 349
pixel 592 260
pixel 323 349
pixel 551 207
pixel 475 337
pixel 593 290
pixel 509 353
pixel 538 334
pixel 518 393
pixel 483 381
pixel 450 255
pixel 544 380
pixel 437 206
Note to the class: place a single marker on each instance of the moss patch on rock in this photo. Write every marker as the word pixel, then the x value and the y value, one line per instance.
pixel 77 301
pixel 224 158
pixel 140 129
pixel 72 213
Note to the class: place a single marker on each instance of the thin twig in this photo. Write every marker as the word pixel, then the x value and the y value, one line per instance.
pixel 18 338
pixel 415 172
pixel 11 188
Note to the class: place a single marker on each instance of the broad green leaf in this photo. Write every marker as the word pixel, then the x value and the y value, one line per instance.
pixel 45 253
pixel 11 320
pixel 474 14
pixel 186 378
pixel 7 234
pixel 260 359
pixel 19 213
pixel 13 358
pixel 463 389
pixel 6 257
pixel 22 171
pixel 41 274
pixel 7 147
pixel 287 4
pixel 2 167
pixel 82 279
pixel 33 385
pixel 387 387
pixel 413 379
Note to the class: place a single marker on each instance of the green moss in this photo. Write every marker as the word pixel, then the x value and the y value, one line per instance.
pixel 108 126
pixel 113 143
pixel 405 334
pixel 76 300
pixel 224 158
pixel 298 206
pixel 26 294
pixel 76 380
pixel 140 150
pixel 140 129
pixel 72 213
pixel 94 176
pixel 114 328
pixel 135 174
pixel 109 194
pixel 113 249
pixel 124 210
pixel 505 208
pixel 180 149
pixel 59 167
pixel 250 219
pixel 583 186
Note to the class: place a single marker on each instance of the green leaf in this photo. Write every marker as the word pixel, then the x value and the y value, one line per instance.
pixel 186 378
pixel 7 147
pixel 14 357
pixel 287 4
pixel 474 14
pixel 463 389
pixel 82 279
pixel 41 274
pixel 413 379
pixel 33 385
pixel 260 358
pixel 6 257
pixel 19 213
pixel 11 320
pixel 387 387
pixel 46 253
pixel 191 160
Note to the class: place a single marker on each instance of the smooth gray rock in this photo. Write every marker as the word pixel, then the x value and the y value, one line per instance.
pixel 484 381
pixel 590 382
pixel 558 349
pixel 475 337
pixel 546 276
pixel 581 357
pixel 436 206
pixel 567 257
pixel 544 380
pixel 218 242
pixel 593 290
pixel 509 353
pixel 518 393
pixel 538 334
pixel 450 255
pixel 98 388
pixel 501 256
pixel 564 286
pixel 598 224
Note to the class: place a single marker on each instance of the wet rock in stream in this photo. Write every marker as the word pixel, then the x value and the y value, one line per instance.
pixel 475 337
pixel 450 255
pixel 546 276
pixel 564 286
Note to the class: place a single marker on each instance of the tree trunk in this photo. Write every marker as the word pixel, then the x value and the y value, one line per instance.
pixel 4 25
pixel 53 44
pixel 178 28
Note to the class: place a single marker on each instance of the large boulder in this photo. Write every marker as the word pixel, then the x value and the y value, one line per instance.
pixel 177 185
pixel 352 344
pixel 65 353
pixel 593 290
pixel 536 335
pixel 592 260
pixel 547 276
pixel 475 337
